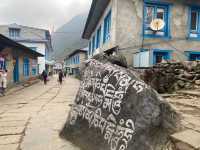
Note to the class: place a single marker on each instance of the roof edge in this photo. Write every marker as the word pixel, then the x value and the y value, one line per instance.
pixel 19 46
pixel 94 2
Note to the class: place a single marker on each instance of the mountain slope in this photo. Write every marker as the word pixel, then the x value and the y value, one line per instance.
pixel 68 37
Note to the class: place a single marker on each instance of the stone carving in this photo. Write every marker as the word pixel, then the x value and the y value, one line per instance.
pixel 101 106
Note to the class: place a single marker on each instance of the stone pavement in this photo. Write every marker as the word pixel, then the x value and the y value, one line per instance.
pixel 31 119
pixel 188 106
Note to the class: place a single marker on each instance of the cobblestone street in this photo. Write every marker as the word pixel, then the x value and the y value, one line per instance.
pixel 31 119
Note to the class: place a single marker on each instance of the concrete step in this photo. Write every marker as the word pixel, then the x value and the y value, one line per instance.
pixel 186 140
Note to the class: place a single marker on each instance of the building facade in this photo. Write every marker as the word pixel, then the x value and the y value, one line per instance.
pixel 20 61
pixel 37 39
pixel 125 26
pixel 74 61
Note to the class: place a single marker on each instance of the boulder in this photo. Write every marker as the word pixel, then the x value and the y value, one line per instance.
pixel 115 110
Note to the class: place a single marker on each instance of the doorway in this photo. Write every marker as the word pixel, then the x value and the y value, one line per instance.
pixel 16 70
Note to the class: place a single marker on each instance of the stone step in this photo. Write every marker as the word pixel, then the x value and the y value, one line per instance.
pixel 186 140
pixel 190 92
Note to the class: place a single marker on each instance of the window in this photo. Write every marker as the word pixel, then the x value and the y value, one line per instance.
pixel 193 56
pixel 156 11
pixel 98 38
pixel 194 31
pixel 14 33
pixel 93 45
pixel 34 67
pixel 107 27
pixel 194 20
pixel 74 60
pixel 78 59
pixel 26 67
pixel 90 48
pixel 2 63
pixel 160 56
pixel 34 71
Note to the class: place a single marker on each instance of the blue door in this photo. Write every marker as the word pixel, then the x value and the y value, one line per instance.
pixel 16 71
pixel 26 67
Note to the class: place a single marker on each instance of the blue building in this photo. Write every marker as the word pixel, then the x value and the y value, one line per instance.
pixel 20 61
pixel 74 61
pixel 36 39
pixel 146 32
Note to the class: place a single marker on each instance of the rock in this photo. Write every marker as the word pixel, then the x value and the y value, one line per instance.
pixel 181 83
pixel 114 110
pixel 176 87
pixel 197 82
pixel 188 75
pixel 119 60
pixel 190 65
pixel 182 146
pixel 169 77
pixel 188 86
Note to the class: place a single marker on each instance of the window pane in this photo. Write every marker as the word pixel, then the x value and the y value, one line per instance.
pixel 107 28
pixel 149 15
pixel 160 13
pixel 194 20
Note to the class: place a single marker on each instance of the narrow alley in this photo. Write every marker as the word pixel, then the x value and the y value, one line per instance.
pixel 31 119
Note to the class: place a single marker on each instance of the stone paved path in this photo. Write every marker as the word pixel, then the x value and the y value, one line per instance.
pixel 32 118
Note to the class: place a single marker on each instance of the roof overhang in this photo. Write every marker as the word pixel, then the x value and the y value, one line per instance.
pixel 96 11
pixel 6 42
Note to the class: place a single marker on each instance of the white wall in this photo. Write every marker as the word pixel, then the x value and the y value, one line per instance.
pixel 110 43
pixel 40 49
pixel 142 59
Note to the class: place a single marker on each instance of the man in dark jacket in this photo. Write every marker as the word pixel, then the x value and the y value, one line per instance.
pixel 60 76
pixel 44 76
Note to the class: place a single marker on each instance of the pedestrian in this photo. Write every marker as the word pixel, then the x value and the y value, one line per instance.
pixel 60 76
pixel 65 73
pixel 44 76
pixel 3 81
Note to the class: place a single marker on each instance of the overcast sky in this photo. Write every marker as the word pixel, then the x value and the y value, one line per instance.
pixel 49 14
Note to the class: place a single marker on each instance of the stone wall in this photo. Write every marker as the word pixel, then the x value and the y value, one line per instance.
pixel 170 77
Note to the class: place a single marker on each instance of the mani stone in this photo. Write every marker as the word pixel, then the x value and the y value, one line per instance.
pixel 115 110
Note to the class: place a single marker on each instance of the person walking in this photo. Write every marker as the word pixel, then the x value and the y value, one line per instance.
pixel 44 76
pixel 60 76
pixel 3 81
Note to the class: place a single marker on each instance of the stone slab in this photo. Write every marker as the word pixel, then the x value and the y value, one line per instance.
pixel 188 92
pixel 189 137
pixel 169 95
pixel 11 139
pixel 11 130
pixel 12 124
pixel 9 147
